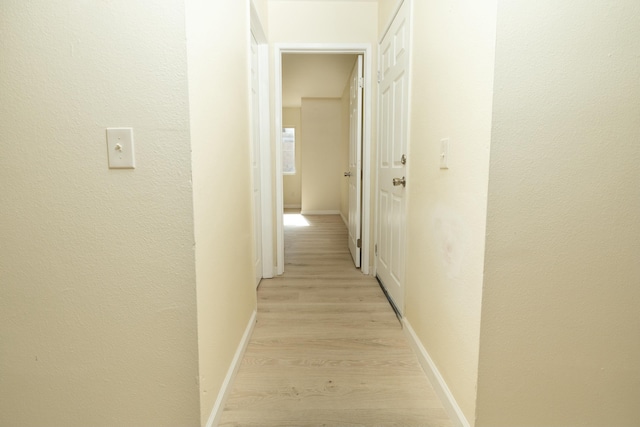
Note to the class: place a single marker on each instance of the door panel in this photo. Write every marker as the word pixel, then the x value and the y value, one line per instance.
pixel 394 118
pixel 355 159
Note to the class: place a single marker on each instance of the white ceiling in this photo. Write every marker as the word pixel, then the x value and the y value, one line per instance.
pixel 314 76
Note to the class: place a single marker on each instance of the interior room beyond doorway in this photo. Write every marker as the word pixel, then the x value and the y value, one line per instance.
pixel 316 116
pixel 314 92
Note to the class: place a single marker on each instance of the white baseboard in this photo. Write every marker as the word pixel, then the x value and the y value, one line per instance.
pixel 218 407
pixel 440 386
pixel 336 212
pixel 292 206
pixel 346 222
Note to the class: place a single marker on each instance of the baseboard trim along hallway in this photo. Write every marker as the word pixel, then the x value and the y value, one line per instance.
pixel 438 383
pixel 225 390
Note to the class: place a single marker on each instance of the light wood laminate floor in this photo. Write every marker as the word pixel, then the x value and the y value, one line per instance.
pixel 327 349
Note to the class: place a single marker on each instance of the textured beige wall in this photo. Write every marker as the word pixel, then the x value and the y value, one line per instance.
pixel 386 12
pixel 292 184
pixel 453 57
pixel 560 327
pixel 220 134
pixel 262 7
pixel 97 278
pixel 322 124
pixel 312 21
pixel 314 75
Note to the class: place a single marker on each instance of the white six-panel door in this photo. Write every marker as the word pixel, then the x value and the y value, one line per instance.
pixel 355 159
pixel 391 162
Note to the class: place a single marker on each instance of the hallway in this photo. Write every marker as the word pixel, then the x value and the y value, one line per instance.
pixel 327 349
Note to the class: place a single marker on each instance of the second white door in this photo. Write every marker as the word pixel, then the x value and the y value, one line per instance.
pixel 355 159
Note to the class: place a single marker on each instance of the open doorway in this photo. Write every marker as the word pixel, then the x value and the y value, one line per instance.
pixel 312 180
pixel 294 65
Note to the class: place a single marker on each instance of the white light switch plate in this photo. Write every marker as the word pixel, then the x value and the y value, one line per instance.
pixel 444 153
pixel 120 148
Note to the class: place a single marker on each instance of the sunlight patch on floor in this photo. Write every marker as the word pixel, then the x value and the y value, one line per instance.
pixel 295 220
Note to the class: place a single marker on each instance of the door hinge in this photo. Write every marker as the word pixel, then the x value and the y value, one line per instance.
pixel 360 82
pixel 375 249
pixel 359 243
pixel 379 76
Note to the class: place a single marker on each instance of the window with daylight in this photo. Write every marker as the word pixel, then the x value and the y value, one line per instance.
pixel 288 151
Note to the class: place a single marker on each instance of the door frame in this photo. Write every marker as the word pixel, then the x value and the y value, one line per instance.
pixel 265 143
pixel 364 49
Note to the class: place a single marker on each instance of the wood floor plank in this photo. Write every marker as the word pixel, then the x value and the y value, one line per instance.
pixel 330 392
pixel 397 364
pixel 327 349
pixel 342 418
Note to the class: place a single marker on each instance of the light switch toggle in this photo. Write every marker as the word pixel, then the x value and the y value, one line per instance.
pixel 120 148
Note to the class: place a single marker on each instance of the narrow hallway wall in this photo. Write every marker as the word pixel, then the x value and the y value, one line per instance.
pixel 452 90
pixel 560 327
pixel 218 33
pixel 97 276
pixel 322 124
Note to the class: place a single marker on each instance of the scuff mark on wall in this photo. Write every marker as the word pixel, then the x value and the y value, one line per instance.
pixel 451 235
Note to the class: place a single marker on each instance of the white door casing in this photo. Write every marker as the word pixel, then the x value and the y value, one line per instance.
pixel 263 120
pixel 356 86
pixel 393 108
pixel 349 48
pixel 255 161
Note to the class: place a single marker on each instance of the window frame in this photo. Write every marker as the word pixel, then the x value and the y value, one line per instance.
pixel 285 142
